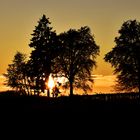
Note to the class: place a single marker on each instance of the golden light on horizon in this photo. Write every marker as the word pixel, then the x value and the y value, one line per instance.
pixel 51 83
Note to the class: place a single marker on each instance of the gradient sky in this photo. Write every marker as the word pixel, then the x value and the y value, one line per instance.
pixel 18 19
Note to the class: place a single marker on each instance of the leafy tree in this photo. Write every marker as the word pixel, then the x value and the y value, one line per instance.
pixel 16 73
pixel 125 57
pixel 44 42
pixel 77 57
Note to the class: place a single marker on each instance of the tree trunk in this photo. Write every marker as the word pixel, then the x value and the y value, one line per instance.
pixel 26 86
pixel 139 82
pixel 71 87
pixel 48 90
pixel 48 93
pixel 139 75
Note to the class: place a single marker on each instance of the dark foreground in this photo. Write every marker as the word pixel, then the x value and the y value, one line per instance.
pixel 100 112
pixel 96 105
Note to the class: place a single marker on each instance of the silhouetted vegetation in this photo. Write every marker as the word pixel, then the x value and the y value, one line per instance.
pixel 77 57
pixel 86 104
pixel 125 57
pixel 16 73
pixel 45 44
pixel 71 55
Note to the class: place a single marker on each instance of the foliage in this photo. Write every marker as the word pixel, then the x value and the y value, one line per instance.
pixel 77 58
pixel 44 42
pixel 125 56
pixel 16 72
pixel 71 54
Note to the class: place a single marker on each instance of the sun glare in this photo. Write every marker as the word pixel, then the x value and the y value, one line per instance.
pixel 51 83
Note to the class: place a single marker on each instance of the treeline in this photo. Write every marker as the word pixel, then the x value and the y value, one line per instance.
pixel 72 55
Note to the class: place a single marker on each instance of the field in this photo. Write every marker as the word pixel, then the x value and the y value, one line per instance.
pixel 110 113
pixel 90 104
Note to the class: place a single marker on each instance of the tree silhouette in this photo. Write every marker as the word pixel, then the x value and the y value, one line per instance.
pixel 44 42
pixel 71 54
pixel 15 76
pixel 125 57
pixel 77 58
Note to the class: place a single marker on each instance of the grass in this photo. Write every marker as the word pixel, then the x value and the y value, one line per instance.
pixel 102 112
pixel 102 103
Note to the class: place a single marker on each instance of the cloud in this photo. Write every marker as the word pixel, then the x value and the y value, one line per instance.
pixel 2 79
pixel 2 86
pixel 103 83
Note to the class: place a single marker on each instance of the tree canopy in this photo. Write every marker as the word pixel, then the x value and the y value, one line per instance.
pixel 77 58
pixel 15 76
pixel 70 54
pixel 125 57
pixel 44 42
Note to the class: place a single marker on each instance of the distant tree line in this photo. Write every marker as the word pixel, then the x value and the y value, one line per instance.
pixel 72 54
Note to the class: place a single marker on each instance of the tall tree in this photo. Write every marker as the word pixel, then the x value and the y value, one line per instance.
pixel 77 58
pixel 16 73
pixel 125 57
pixel 44 42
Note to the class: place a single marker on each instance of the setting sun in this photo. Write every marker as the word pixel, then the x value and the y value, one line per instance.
pixel 51 83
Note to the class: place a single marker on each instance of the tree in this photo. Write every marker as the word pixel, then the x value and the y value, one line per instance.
pixel 16 73
pixel 44 42
pixel 77 57
pixel 125 57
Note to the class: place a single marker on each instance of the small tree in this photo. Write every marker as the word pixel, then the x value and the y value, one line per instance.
pixel 77 58
pixel 15 73
pixel 125 57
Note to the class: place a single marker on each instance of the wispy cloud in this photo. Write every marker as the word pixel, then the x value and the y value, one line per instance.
pixel 2 86
pixel 104 84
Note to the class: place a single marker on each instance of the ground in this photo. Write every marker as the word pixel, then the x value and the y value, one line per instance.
pixel 92 114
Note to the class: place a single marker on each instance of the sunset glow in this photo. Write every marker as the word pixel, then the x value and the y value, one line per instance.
pixel 51 83
pixel 103 17
pixel 102 84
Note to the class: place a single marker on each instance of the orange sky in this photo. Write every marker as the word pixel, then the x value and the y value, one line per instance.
pixel 102 84
pixel 104 17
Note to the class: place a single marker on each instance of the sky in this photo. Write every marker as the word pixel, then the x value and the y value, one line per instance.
pixel 18 19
